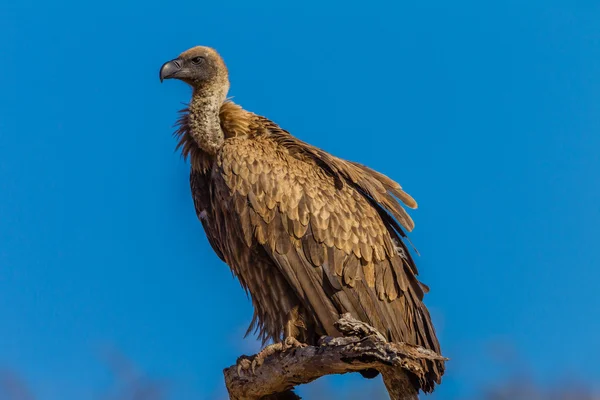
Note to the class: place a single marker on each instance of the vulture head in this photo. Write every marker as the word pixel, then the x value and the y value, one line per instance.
pixel 200 67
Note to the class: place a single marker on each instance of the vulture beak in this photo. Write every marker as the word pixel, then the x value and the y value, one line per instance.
pixel 170 69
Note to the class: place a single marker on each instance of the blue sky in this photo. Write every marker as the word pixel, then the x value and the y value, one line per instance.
pixel 488 114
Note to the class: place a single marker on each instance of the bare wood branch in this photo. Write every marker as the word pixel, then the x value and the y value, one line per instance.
pixel 362 347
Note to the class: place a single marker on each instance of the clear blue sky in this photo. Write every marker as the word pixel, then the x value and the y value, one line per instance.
pixel 489 115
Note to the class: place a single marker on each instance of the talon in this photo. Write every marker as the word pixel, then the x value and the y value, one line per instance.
pixel 243 364
pixel 291 341
pixel 251 363
pixel 255 363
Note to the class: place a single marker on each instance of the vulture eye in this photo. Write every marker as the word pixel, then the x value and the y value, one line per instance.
pixel 197 60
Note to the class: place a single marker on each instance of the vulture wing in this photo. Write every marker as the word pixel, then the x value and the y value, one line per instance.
pixel 255 270
pixel 331 228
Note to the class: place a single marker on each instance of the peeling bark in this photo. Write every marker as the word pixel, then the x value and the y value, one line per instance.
pixel 361 347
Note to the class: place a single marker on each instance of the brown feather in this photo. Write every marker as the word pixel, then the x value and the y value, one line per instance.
pixel 390 284
pixel 369 272
pixel 380 271
pixel 314 251
pixel 399 273
pixel 332 264
pixel 351 270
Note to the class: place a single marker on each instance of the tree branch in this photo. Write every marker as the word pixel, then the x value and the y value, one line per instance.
pixel 361 347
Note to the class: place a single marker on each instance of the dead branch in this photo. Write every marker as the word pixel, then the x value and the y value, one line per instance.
pixel 361 347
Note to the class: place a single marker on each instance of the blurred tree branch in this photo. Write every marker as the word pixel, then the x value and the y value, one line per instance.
pixel 361 347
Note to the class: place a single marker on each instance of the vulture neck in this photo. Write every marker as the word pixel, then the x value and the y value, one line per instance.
pixel 204 123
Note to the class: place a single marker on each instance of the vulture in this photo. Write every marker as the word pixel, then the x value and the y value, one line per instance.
pixel 310 236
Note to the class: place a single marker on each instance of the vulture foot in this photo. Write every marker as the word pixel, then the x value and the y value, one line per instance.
pixel 251 363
